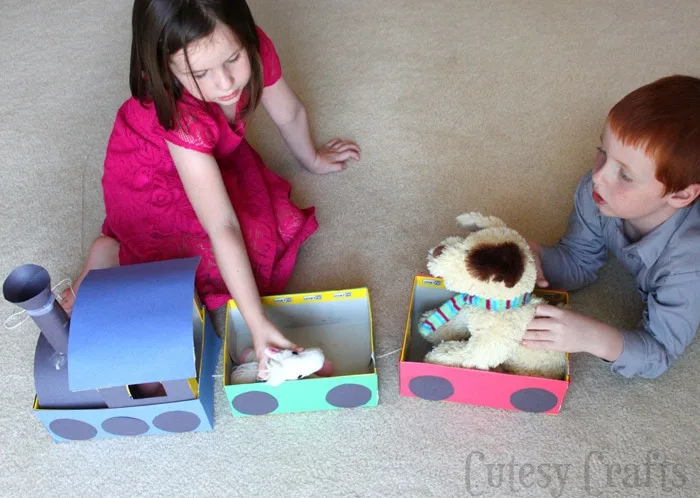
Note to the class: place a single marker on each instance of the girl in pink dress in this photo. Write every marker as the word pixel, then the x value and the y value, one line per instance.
pixel 180 180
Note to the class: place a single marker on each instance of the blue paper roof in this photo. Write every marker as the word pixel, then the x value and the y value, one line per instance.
pixel 133 324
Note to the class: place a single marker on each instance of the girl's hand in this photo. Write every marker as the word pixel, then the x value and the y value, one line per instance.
pixel 268 335
pixel 331 157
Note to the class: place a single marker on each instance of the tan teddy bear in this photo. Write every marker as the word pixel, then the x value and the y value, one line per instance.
pixel 493 271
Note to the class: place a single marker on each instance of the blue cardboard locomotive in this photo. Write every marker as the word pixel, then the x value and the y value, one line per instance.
pixel 137 356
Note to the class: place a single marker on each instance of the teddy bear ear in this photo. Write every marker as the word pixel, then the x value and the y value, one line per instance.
pixel 477 221
pixel 503 262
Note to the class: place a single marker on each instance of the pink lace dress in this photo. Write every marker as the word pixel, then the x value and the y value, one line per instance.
pixel 147 209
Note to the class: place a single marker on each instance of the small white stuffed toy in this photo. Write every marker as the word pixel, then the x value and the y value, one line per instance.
pixel 282 365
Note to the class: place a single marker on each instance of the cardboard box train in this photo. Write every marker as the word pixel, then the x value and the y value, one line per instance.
pixel 340 323
pixel 418 379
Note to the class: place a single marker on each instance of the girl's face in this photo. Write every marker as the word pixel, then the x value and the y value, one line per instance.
pixel 219 66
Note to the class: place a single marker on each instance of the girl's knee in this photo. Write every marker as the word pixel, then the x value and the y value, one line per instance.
pixel 104 252
pixel 104 243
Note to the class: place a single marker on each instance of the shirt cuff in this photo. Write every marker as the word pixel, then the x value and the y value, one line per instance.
pixel 634 350
pixel 552 265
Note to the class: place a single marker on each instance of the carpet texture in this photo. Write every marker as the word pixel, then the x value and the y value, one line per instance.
pixel 493 106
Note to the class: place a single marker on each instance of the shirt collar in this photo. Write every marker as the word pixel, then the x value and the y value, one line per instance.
pixel 653 244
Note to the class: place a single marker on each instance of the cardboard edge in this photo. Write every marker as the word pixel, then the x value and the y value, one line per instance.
pixel 371 332
pixel 199 306
pixel 196 381
pixel 210 350
pixel 407 330
pixel 226 378
pixel 299 297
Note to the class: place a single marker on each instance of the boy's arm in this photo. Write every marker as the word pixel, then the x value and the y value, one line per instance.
pixel 669 324
pixel 581 252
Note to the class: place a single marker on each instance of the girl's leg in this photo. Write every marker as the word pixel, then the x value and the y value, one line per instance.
pixel 104 253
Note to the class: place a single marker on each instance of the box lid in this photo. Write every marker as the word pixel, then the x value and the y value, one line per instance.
pixel 133 324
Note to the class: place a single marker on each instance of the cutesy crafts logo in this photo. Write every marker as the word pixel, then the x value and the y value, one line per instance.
pixel 596 474
pixel 487 477
pixel 653 472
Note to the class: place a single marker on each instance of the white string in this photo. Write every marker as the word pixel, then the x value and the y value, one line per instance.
pixel 25 316
pixel 8 321
pixel 64 281
pixel 389 353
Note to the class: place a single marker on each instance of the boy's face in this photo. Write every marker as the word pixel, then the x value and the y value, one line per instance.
pixel 625 184
pixel 219 64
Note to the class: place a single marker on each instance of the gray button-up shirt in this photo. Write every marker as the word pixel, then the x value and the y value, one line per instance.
pixel 665 264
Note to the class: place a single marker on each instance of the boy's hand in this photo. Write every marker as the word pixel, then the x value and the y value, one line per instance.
pixel 537 253
pixel 557 329
pixel 331 157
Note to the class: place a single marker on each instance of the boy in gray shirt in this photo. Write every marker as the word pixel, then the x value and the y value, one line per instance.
pixel 639 203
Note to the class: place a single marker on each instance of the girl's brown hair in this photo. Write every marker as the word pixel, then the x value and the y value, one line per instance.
pixel 162 27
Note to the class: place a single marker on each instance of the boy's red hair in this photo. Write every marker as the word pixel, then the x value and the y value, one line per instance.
pixel 663 118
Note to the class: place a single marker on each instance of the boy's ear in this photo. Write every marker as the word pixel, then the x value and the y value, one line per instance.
pixel 685 197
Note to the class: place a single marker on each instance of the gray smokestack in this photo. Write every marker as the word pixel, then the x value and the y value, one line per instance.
pixel 29 287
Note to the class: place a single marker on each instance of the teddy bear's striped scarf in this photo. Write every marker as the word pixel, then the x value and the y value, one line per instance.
pixel 454 305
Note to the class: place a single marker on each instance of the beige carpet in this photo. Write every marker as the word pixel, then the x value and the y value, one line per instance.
pixel 458 105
